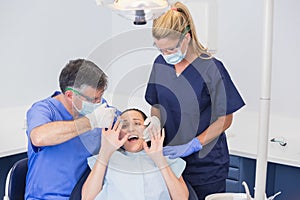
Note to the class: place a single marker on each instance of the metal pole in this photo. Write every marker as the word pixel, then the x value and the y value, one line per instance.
pixel 262 150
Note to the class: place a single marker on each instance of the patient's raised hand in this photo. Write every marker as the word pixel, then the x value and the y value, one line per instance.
pixel 155 151
pixel 111 141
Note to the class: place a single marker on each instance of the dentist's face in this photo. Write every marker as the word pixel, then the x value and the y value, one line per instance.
pixel 133 125
pixel 86 100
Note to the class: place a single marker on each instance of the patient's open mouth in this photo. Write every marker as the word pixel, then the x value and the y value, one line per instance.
pixel 133 137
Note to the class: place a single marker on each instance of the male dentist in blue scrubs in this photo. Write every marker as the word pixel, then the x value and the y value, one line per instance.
pixel 64 129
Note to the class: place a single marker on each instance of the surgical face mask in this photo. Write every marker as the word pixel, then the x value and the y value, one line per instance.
pixel 87 107
pixel 174 58
pixel 178 56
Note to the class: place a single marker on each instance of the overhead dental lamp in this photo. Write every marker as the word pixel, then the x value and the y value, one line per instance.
pixel 138 11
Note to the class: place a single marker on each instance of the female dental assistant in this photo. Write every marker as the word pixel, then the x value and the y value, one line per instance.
pixel 194 97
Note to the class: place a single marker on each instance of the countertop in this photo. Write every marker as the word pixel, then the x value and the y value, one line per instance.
pixel 243 138
pixel 13 131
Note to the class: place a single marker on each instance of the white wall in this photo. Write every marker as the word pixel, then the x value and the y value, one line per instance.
pixel 240 47
pixel 240 44
pixel 37 38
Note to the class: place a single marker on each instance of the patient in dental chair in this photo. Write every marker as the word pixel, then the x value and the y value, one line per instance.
pixel 127 168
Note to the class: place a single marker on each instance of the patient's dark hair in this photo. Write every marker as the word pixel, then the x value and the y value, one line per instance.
pixel 135 109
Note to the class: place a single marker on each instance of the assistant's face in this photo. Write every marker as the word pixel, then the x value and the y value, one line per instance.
pixel 171 45
pixel 133 124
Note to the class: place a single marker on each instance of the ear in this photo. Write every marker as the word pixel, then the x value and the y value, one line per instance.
pixel 69 95
pixel 188 37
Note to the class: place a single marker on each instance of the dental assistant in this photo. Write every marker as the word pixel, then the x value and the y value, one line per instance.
pixel 64 129
pixel 193 95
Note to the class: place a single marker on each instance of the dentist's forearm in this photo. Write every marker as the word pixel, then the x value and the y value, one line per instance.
pixel 54 133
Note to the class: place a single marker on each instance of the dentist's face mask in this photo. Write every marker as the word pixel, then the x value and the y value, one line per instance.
pixel 87 106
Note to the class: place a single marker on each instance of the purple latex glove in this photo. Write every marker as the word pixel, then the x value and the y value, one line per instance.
pixel 182 150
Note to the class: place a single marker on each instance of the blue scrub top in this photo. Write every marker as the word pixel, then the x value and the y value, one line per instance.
pixel 53 171
pixel 189 103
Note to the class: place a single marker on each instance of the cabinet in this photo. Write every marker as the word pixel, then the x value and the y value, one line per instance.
pixel 240 169
pixel 285 179
pixel 279 178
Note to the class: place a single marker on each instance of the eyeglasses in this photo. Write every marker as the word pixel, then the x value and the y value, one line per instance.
pixel 89 99
pixel 174 49
pixel 170 50
pixel 135 125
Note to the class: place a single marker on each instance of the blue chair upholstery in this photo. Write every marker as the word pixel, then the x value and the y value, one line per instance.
pixel 16 180
pixel 192 193
pixel 76 193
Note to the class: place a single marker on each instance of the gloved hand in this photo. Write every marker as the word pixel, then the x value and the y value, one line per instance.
pixel 101 117
pixel 152 123
pixel 183 150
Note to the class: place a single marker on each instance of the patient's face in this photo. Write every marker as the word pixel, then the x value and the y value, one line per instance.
pixel 133 124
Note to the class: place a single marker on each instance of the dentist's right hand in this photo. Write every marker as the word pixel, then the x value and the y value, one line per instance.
pixel 101 117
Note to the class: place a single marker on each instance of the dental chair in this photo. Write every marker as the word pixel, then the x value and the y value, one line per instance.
pixel 192 193
pixel 16 181
pixel 76 193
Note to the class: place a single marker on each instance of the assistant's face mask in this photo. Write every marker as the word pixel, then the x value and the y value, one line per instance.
pixel 174 58
pixel 178 56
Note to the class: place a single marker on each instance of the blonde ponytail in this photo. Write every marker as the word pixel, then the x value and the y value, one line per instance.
pixel 174 23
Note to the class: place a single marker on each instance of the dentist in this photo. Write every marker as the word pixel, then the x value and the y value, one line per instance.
pixel 64 129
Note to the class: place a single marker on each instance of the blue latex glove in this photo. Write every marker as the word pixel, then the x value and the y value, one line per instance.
pixel 183 150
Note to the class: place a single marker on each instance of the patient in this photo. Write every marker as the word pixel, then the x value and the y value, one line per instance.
pixel 139 171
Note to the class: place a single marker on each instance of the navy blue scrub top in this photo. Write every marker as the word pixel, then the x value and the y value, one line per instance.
pixel 188 104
